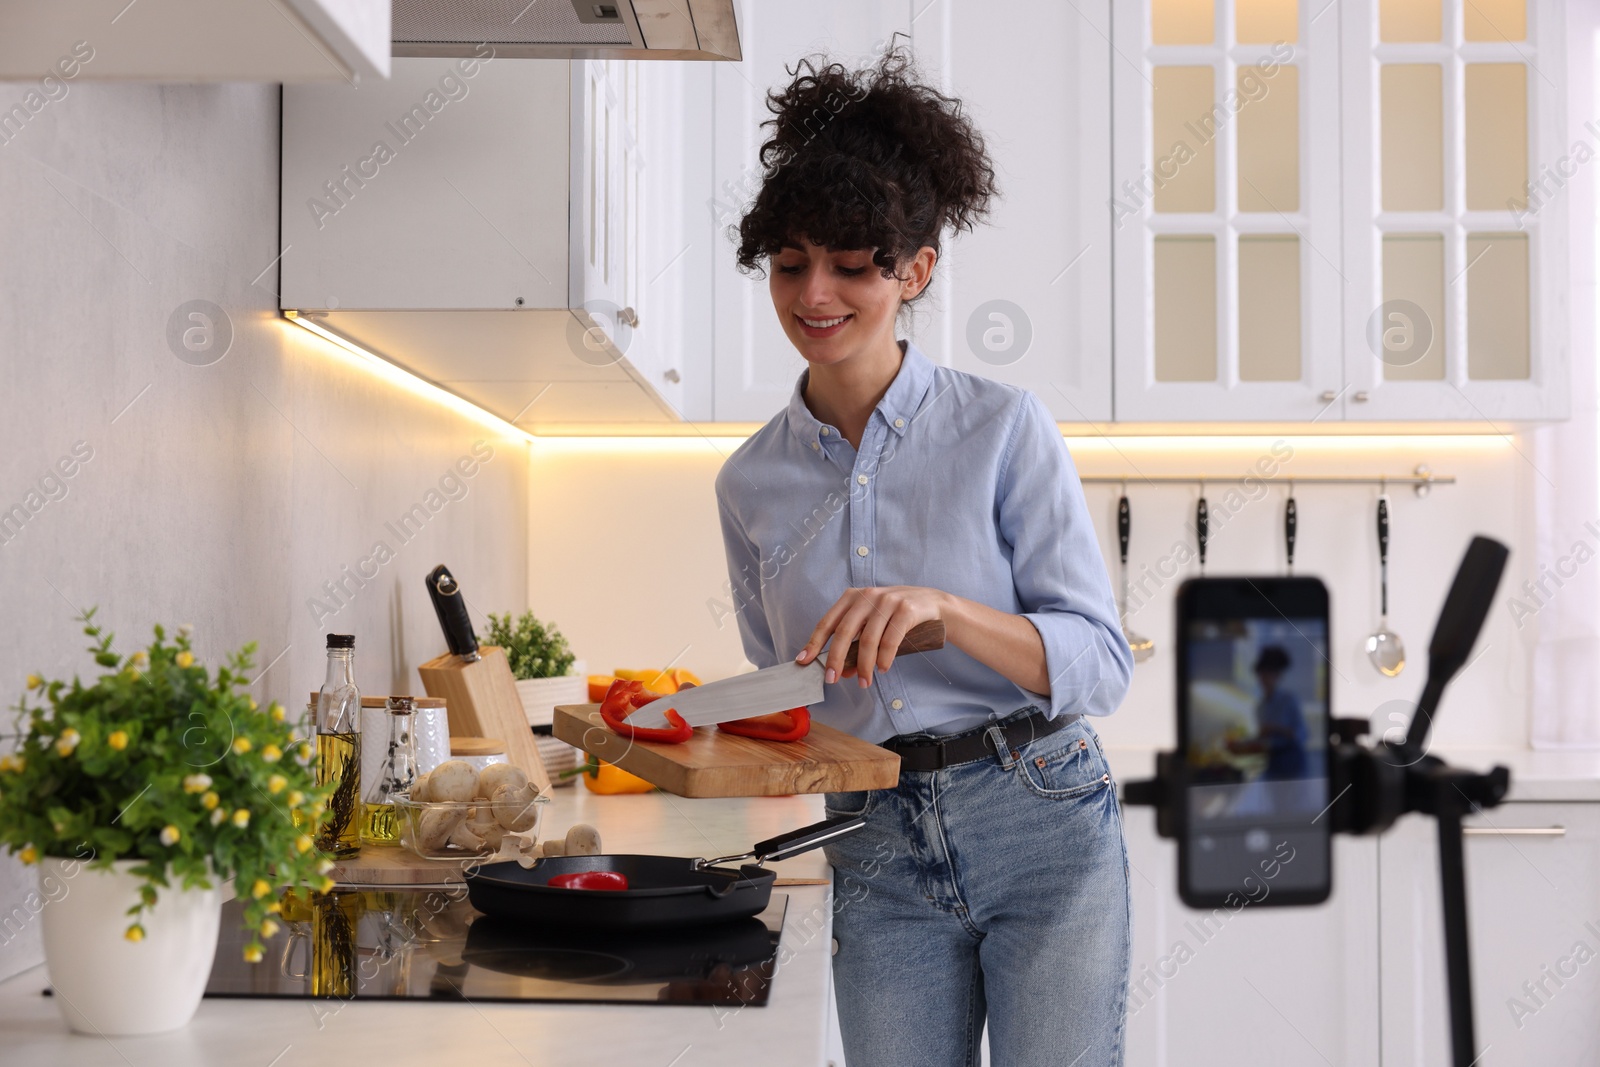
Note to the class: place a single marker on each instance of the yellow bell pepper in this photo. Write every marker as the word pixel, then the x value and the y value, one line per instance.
pixel 657 681
pixel 607 779
pixel 661 682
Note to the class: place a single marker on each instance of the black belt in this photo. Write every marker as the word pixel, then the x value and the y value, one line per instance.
pixel 933 753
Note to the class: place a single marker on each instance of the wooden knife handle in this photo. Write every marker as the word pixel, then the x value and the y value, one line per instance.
pixel 923 637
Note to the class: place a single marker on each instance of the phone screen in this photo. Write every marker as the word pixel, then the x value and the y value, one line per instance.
pixel 1253 700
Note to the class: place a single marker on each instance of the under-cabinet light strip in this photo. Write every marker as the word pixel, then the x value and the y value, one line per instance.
pixel 712 438
pixel 417 384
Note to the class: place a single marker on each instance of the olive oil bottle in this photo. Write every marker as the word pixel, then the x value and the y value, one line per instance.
pixel 381 823
pixel 339 750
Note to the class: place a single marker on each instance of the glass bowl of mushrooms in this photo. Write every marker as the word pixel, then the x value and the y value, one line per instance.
pixel 457 812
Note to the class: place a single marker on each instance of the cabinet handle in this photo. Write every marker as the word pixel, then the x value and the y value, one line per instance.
pixel 628 317
pixel 1329 396
pixel 671 375
pixel 1360 397
pixel 1514 831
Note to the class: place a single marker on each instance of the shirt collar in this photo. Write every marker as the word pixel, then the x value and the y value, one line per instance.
pixel 897 408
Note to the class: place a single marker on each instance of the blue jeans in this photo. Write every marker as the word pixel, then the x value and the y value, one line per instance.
pixel 993 890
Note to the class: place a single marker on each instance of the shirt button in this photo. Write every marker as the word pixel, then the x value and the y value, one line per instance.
pixel 815 447
pixel 899 424
pixel 825 431
pixel 897 703
pixel 862 478
pixel 862 551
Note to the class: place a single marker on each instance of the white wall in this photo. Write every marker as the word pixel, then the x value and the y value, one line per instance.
pixel 626 557
pixel 220 495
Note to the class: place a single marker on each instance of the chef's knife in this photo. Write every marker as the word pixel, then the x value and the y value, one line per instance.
pixel 451 607
pixel 788 685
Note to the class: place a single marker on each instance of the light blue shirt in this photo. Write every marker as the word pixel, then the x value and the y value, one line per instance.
pixel 961 484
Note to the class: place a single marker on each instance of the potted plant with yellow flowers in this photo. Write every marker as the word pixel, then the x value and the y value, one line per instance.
pixel 139 795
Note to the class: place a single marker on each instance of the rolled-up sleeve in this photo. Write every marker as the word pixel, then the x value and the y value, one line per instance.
pixel 1060 577
pixel 744 586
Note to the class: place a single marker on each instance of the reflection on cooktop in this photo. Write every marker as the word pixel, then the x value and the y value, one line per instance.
pixel 430 944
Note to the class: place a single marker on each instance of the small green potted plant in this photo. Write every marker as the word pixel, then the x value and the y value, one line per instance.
pixel 138 795
pixel 543 665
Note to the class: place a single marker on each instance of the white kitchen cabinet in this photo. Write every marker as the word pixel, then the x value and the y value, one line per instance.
pixel 1533 873
pixel 1456 289
pixel 1323 213
pixel 1026 297
pixel 1285 986
pixel 1226 211
pixel 755 365
pixel 290 41
pixel 482 223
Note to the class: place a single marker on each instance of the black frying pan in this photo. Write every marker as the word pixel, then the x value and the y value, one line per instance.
pixel 663 891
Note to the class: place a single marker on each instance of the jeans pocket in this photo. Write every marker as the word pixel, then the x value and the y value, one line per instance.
pixel 856 802
pixel 1065 765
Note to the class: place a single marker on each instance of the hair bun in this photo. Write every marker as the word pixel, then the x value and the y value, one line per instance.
pixel 868 158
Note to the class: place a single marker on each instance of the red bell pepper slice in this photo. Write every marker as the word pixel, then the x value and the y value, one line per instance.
pixel 611 880
pixel 625 697
pixel 789 725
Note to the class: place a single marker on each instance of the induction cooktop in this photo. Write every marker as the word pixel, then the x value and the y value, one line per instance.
pixel 431 944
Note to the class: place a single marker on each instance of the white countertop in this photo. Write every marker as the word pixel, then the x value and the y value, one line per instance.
pixel 790 1029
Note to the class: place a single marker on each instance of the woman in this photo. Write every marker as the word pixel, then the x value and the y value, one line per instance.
pixel 991 883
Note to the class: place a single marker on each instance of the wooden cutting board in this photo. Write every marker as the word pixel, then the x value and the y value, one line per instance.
pixel 717 764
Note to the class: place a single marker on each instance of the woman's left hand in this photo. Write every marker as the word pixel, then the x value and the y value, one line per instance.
pixel 877 617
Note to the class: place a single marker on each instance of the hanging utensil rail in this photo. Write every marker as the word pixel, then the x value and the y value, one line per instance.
pixel 1421 480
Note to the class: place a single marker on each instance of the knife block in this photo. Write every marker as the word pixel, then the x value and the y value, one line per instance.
pixel 481 701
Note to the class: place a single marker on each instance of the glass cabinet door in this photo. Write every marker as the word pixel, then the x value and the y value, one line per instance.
pixel 1446 102
pixel 1225 211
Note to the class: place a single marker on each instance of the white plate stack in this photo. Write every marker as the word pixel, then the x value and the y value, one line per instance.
pixel 539 699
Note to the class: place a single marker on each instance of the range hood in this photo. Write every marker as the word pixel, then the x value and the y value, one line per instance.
pixel 567 29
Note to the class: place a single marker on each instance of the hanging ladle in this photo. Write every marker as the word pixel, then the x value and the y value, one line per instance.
pixel 1143 648
pixel 1384 648
pixel 1291 527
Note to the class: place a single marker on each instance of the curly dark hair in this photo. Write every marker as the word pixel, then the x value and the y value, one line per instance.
pixel 867 158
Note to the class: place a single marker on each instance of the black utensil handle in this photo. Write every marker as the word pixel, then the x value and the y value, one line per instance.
pixel 807 837
pixel 451 607
pixel 1202 527
pixel 1124 526
pixel 1291 527
pixel 1383 529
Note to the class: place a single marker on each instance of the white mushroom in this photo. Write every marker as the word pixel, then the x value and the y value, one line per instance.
pixel 452 780
pixel 436 826
pixel 483 825
pixel 582 840
pixel 419 788
pixel 556 847
pixel 516 808
pixel 496 775
pixel 464 837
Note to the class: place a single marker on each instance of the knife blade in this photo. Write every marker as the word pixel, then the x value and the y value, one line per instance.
pixel 451 607
pixel 788 685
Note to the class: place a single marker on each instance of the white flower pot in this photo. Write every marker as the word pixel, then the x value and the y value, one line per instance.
pixel 541 695
pixel 539 699
pixel 104 983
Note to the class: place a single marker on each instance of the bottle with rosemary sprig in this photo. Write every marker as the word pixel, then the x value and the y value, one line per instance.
pixel 339 750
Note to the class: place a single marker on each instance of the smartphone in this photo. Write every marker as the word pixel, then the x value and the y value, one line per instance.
pixel 1253 712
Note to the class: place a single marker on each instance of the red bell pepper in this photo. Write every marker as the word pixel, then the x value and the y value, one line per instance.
pixel 611 880
pixel 625 697
pixel 789 725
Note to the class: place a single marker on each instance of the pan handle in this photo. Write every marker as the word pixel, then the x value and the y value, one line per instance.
pixel 807 838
